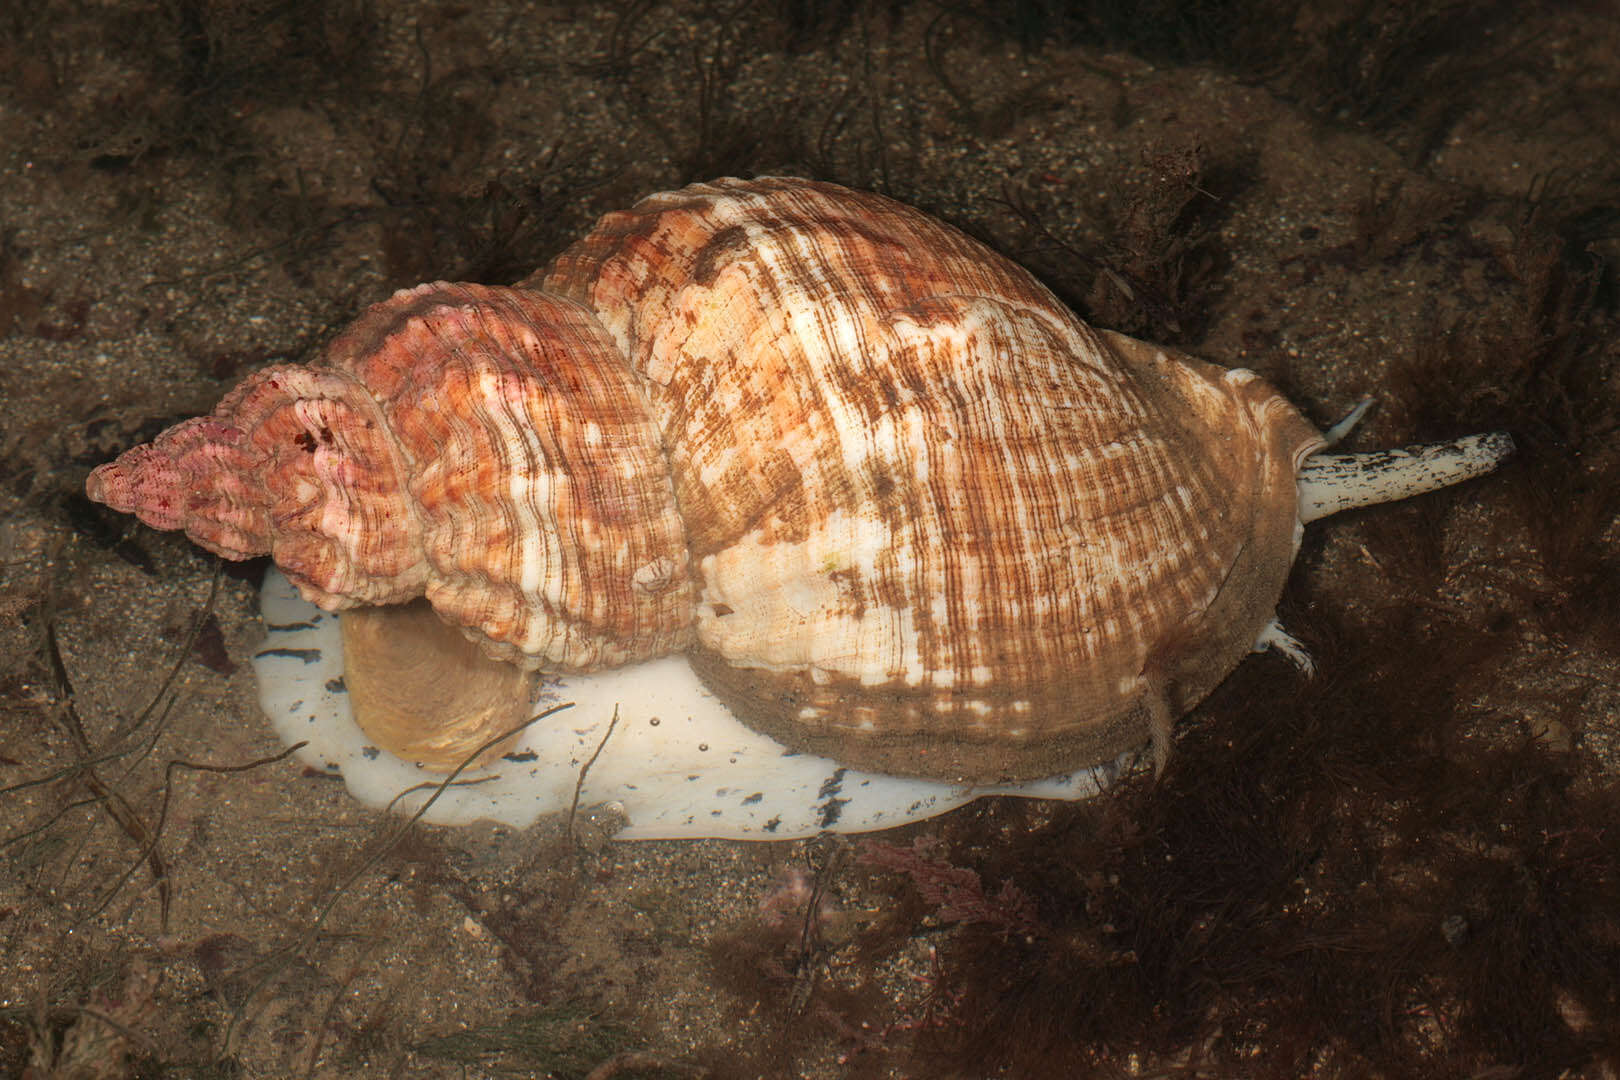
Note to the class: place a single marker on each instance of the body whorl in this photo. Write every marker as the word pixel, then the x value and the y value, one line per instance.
pixel 937 524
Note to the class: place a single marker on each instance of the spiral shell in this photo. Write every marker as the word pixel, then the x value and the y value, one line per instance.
pixel 898 504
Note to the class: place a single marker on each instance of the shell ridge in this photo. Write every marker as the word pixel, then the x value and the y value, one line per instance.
pixel 530 571
pixel 318 430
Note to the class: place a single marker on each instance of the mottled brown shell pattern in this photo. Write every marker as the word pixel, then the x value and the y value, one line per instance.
pixel 937 524
pixel 901 506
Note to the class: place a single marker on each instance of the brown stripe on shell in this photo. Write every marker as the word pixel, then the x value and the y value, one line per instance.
pixel 540 485
pixel 938 524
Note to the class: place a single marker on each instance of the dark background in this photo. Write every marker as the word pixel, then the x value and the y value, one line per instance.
pixel 1407 867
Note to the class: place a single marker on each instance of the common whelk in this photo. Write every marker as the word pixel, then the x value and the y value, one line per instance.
pixel 893 502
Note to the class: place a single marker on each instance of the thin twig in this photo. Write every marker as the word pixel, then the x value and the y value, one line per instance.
pixel 163 807
pixel 318 1036
pixel 579 782
pixel 823 870
pixel 276 961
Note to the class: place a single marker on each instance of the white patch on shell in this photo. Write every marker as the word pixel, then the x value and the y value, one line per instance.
pixel 654 575
pixel 788 628
pixel 678 765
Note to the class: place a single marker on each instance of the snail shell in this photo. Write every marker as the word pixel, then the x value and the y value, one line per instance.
pixel 897 504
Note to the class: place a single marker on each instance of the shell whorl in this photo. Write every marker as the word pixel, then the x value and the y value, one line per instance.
pixel 937 524
pixel 901 505
pixel 486 447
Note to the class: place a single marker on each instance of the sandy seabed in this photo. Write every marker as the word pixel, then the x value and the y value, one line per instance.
pixel 1406 867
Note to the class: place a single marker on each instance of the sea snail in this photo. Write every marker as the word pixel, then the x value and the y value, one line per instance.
pixel 895 504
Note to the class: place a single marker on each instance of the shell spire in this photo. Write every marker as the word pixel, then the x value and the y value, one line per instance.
pixel 294 462
pixel 368 477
